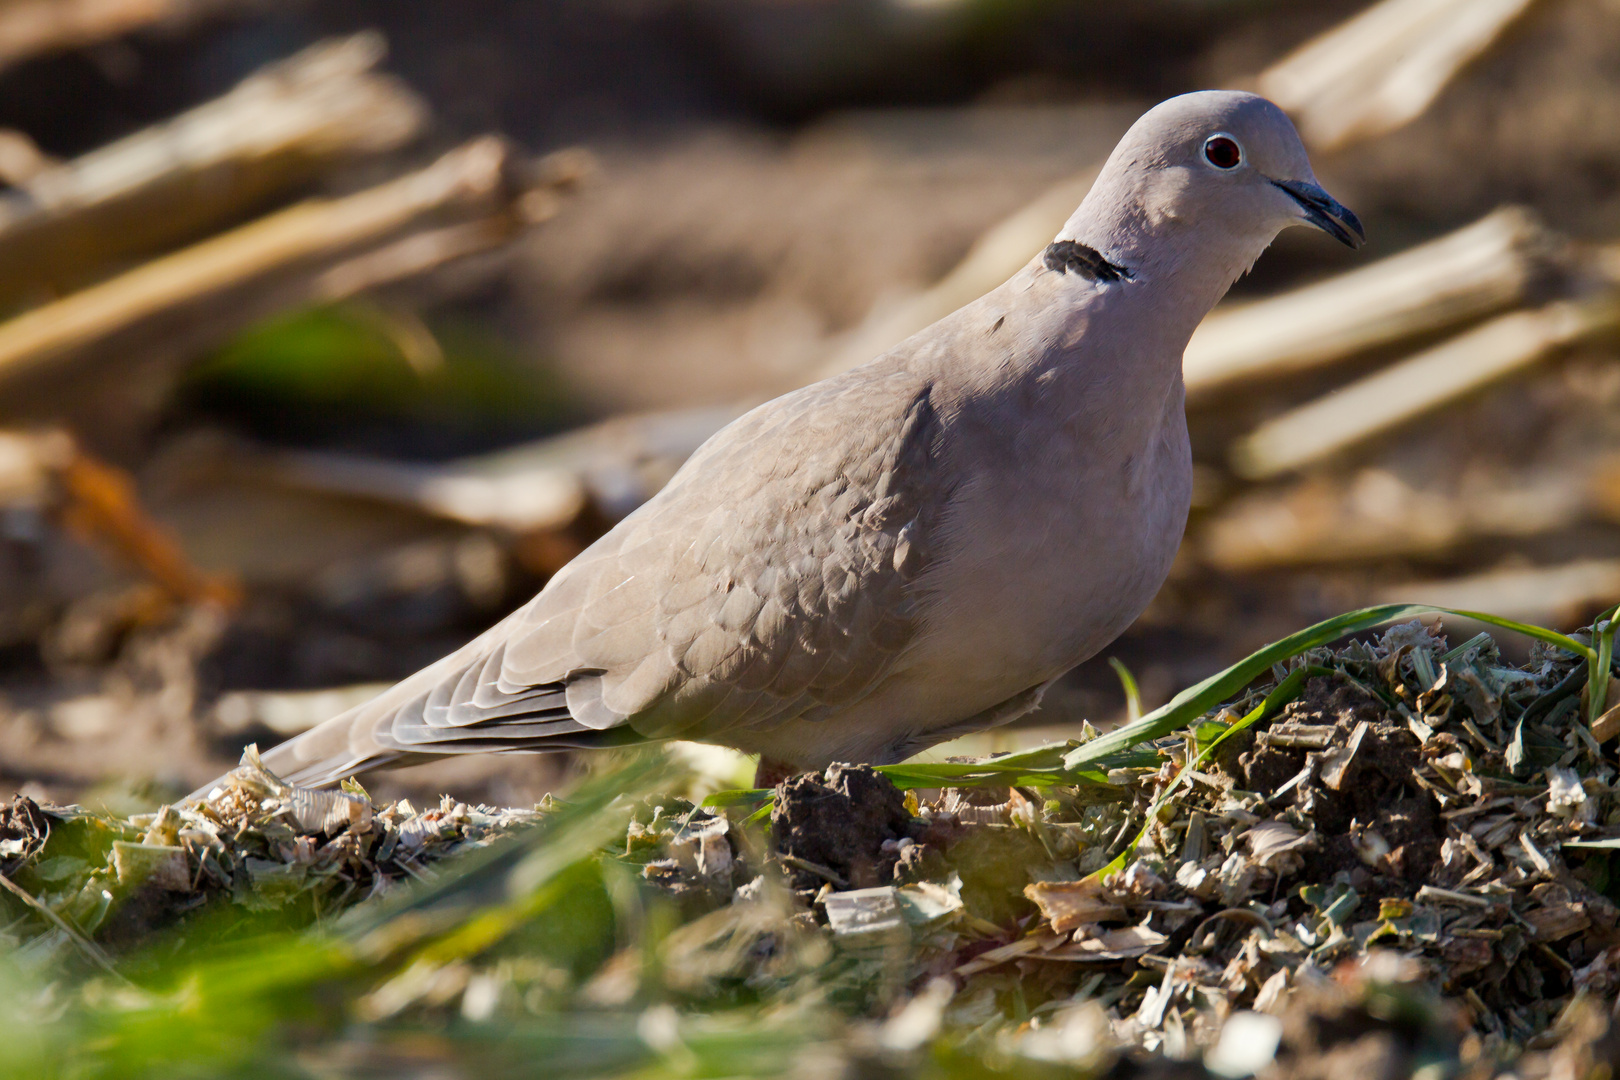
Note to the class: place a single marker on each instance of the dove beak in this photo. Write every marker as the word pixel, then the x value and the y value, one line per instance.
pixel 1325 212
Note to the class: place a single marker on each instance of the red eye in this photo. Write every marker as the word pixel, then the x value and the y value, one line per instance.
pixel 1222 152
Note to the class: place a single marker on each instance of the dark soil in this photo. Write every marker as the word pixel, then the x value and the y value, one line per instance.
pixel 1377 790
pixel 840 824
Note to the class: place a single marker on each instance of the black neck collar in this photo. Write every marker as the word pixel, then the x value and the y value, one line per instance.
pixel 1065 255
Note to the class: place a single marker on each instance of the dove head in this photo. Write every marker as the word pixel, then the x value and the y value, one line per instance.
pixel 1200 186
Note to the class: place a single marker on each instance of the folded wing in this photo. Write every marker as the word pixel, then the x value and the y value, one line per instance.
pixel 772 579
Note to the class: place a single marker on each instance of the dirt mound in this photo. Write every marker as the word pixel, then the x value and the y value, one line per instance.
pixel 844 829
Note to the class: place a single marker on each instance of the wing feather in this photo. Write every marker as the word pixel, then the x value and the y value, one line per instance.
pixel 771 580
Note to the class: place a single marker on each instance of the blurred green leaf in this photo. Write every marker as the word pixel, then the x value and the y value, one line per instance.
pixel 334 371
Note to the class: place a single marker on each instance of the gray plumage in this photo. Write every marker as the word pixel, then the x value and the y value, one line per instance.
pixel 910 550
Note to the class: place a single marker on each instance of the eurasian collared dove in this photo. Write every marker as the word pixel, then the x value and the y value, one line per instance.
pixel 913 549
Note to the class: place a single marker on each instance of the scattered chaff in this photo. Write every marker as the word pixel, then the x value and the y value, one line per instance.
pixel 1376 811
pixel 257 844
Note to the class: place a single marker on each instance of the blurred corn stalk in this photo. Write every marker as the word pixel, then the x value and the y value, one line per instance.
pixel 67 230
pixel 64 223
pixel 1385 67
pixel 471 200
pixel 121 267
pixel 1495 264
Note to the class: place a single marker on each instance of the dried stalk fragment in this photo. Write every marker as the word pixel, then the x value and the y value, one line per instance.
pixel 1418 385
pixel 163 866
pixel 1070 904
pixel 1301 736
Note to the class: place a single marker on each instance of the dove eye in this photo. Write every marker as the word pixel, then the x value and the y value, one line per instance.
pixel 1223 152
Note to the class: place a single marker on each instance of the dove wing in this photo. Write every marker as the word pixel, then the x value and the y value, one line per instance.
pixel 772 579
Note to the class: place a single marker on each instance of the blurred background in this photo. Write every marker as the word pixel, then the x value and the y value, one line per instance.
pixel 330 328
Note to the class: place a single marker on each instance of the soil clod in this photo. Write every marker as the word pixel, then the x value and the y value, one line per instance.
pixel 840 823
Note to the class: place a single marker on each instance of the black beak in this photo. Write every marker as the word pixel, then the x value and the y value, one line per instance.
pixel 1325 212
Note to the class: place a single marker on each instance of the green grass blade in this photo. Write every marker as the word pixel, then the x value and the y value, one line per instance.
pixel 736 797
pixel 1597 676
pixel 1540 633
pixel 1133 693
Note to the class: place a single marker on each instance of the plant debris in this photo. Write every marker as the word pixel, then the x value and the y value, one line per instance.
pixel 257 844
pixel 1392 855
pixel 1435 804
